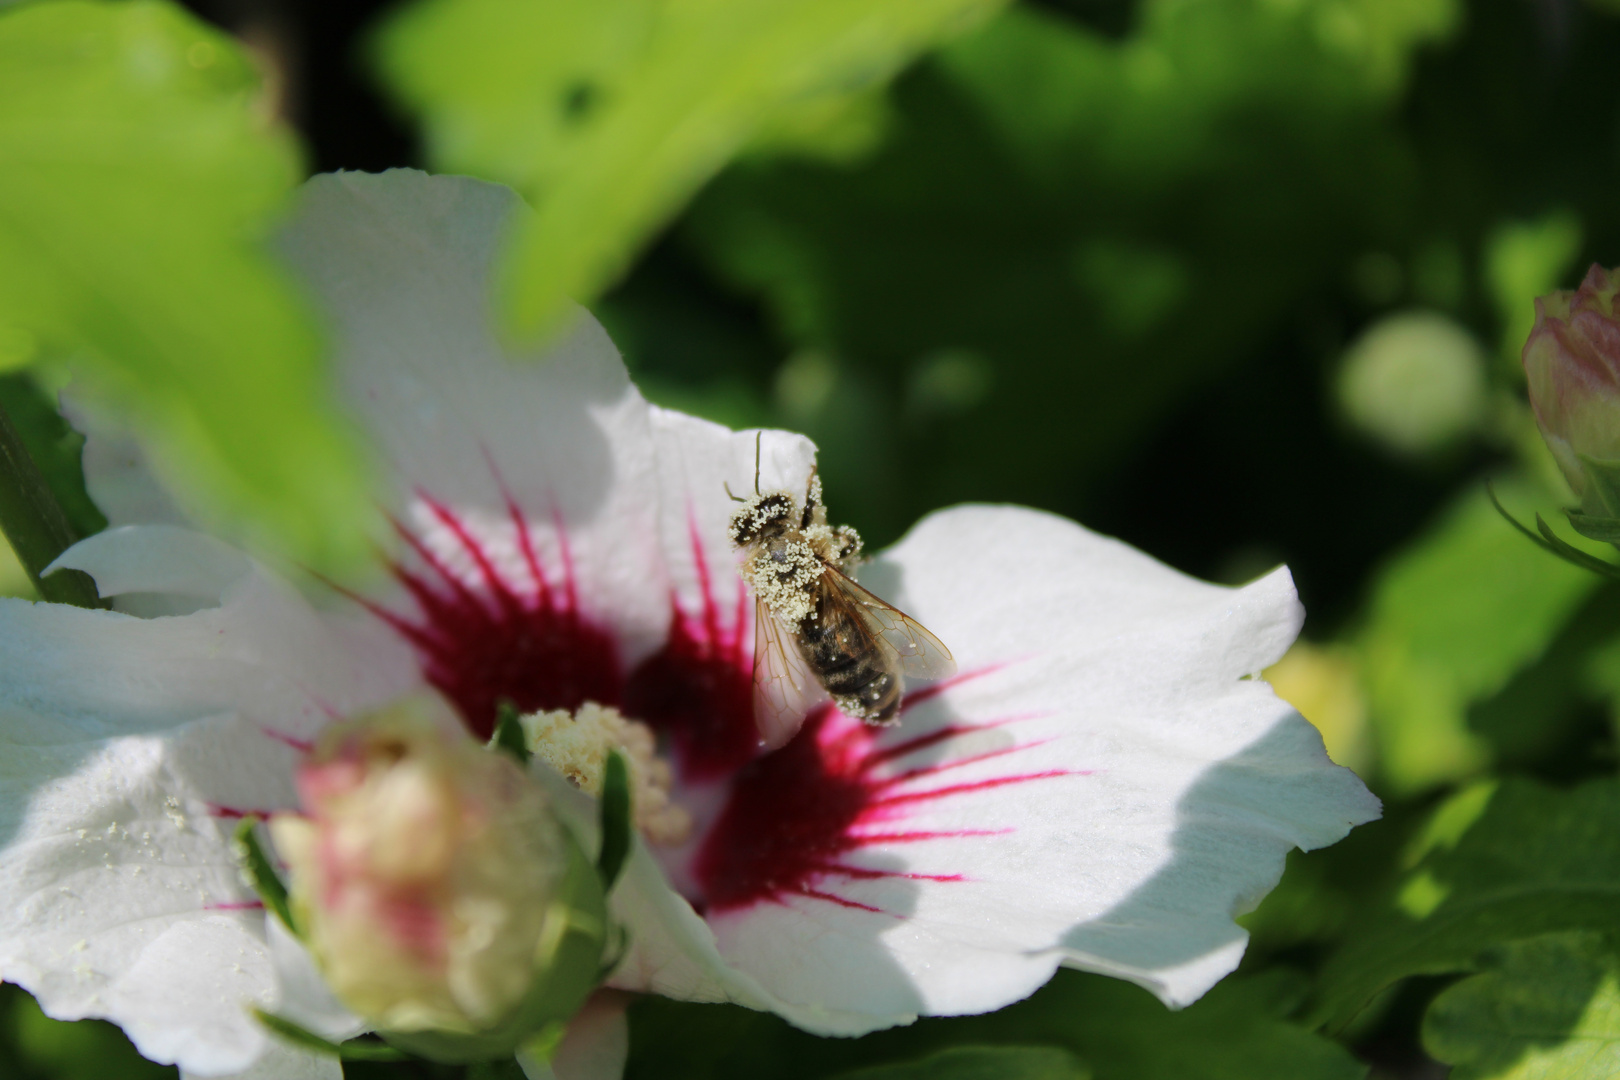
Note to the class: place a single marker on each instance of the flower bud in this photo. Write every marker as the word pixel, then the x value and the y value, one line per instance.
pixel 433 885
pixel 1572 363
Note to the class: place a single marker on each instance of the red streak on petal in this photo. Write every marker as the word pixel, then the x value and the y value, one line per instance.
pixel 927 693
pixel 502 642
pixel 914 837
pixel 795 813
pixel 303 746
pixel 698 690
pixel 956 763
pixel 977 785
pixel 236 905
pixel 234 813
pixel 841 901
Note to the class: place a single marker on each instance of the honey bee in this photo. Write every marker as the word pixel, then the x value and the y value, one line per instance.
pixel 815 629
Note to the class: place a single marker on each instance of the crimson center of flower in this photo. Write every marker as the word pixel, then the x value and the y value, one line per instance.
pixel 789 819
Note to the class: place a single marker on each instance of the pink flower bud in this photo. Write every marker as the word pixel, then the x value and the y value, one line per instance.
pixel 1572 362
pixel 424 869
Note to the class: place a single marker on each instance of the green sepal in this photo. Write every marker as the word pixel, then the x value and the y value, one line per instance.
pixel 353 1050
pixel 616 822
pixel 508 737
pixel 567 968
pixel 1606 529
pixel 1603 484
pixel 261 874
pixel 1552 542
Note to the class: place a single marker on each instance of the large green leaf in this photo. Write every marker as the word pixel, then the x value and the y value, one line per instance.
pixel 139 173
pixel 1495 865
pixel 1452 619
pixel 1239 1031
pixel 980 1063
pixel 1545 1009
pixel 609 114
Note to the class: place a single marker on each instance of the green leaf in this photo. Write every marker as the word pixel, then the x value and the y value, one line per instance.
pixel 261 873
pixel 1496 864
pixel 981 1063
pixel 508 737
pixel 35 525
pixel 32 1045
pixel 1238 1031
pixel 610 114
pixel 1606 529
pixel 1545 1009
pixel 139 175
pixel 353 1050
pixel 1064 214
pixel 1453 618
pixel 55 447
pixel 1524 260
pixel 617 820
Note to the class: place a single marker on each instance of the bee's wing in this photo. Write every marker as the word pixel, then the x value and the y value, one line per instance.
pixel 785 690
pixel 921 654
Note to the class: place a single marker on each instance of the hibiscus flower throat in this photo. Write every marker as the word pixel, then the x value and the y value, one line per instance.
pixel 790 819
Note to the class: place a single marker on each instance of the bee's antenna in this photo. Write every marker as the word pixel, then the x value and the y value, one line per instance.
pixel 734 498
pixel 758 435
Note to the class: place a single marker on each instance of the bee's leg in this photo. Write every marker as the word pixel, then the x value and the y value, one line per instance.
pixel 809 499
pixel 758 435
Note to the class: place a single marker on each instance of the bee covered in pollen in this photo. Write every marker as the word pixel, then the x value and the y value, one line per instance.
pixel 815 629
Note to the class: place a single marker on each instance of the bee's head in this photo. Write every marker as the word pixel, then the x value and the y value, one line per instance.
pixel 761 518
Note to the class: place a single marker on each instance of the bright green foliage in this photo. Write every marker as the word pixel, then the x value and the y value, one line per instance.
pixel 981 1063
pixel 1544 1009
pixel 1525 260
pixel 1239 1031
pixel 35 1047
pixel 138 175
pixel 1452 619
pixel 609 114
pixel 1497 864
pixel 1072 218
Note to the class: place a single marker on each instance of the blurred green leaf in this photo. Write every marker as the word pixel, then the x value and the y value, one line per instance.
pixel 138 175
pixel 1545 1009
pixel 1496 864
pixel 980 1063
pixel 1524 260
pixel 609 114
pixel 1238 1031
pixel 1104 225
pixel 35 1047
pixel 55 447
pixel 1452 619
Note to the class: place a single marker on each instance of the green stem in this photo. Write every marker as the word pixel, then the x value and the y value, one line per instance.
pixel 35 525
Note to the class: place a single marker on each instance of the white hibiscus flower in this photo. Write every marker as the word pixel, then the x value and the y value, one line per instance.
pixel 1104 784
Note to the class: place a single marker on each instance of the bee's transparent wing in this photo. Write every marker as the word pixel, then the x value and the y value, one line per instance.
pixel 921 654
pixel 785 690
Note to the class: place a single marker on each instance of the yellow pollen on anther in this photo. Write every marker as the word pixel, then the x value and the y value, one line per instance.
pixel 577 745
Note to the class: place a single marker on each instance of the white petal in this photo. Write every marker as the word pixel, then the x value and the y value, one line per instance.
pixel 282 1062
pixel 607 488
pixel 401 264
pixel 127 746
pixel 156 559
pixel 1116 790
pixel 117 475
